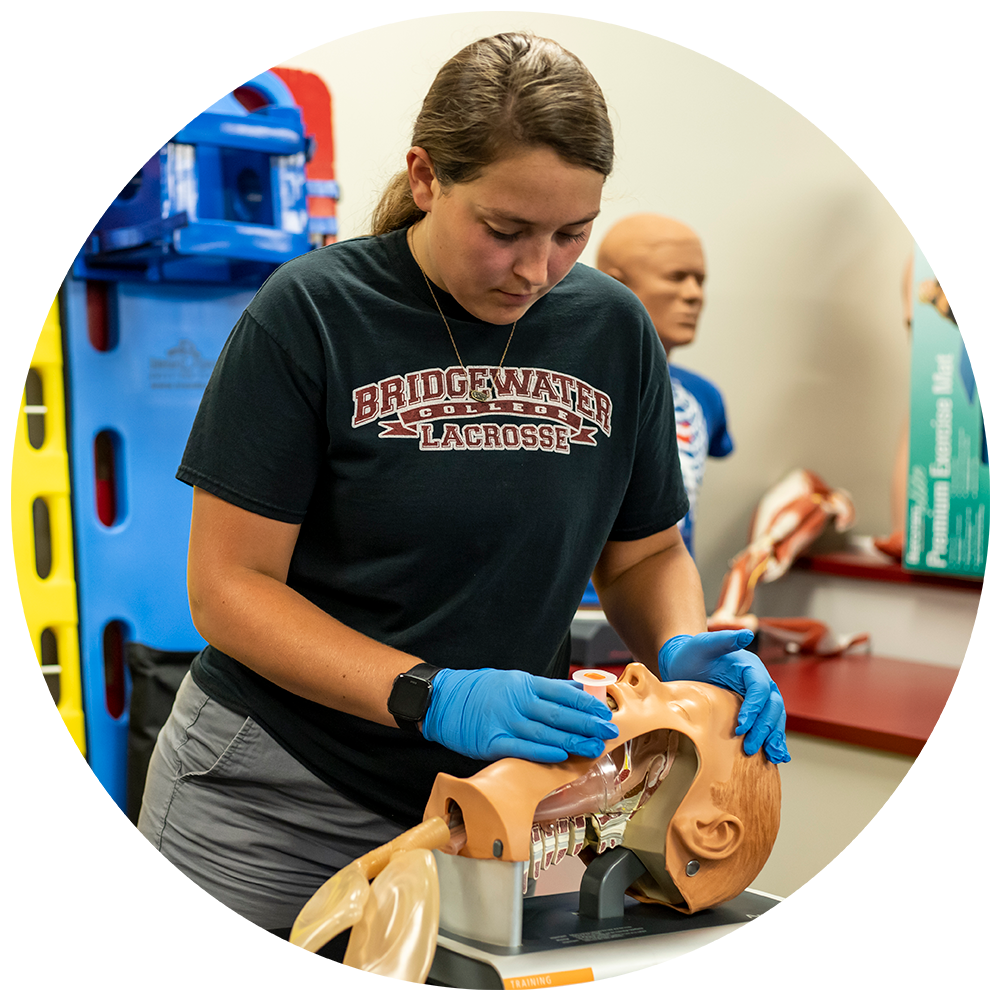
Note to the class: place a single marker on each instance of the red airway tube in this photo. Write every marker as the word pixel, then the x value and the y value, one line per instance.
pixel 98 329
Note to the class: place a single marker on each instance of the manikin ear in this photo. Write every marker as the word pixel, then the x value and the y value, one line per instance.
pixel 710 837
pixel 423 183
pixel 617 273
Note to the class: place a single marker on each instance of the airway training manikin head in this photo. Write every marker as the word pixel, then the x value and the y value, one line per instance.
pixel 709 813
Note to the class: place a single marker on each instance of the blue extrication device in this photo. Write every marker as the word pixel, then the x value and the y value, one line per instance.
pixel 223 201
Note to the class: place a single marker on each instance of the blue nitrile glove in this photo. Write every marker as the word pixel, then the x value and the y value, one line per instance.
pixel 721 659
pixel 489 714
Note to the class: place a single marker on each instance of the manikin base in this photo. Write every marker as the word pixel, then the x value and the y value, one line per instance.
pixel 737 945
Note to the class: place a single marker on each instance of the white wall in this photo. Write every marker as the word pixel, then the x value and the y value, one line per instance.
pixel 802 327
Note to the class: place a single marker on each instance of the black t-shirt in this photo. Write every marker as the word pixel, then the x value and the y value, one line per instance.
pixel 462 532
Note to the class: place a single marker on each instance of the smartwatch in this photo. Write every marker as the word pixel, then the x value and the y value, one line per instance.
pixel 410 696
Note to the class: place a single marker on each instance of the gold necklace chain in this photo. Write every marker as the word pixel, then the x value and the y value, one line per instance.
pixel 479 395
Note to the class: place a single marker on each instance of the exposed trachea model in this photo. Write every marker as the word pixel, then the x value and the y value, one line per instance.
pixel 595 808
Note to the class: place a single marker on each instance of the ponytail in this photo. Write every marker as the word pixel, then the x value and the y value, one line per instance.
pixel 396 208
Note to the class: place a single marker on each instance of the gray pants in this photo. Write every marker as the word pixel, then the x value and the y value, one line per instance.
pixel 242 818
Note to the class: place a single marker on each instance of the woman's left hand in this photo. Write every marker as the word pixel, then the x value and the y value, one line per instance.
pixel 720 658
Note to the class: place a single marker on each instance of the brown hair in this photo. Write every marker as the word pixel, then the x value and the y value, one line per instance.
pixel 511 90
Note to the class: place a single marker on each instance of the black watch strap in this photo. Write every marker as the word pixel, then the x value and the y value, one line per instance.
pixel 410 696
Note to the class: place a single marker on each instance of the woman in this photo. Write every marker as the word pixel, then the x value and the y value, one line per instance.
pixel 414 450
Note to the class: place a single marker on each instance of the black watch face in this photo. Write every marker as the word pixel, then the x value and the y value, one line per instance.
pixel 409 697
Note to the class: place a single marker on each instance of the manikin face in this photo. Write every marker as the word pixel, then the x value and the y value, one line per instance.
pixel 499 804
pixel 661 260
pixel 500 242
pixel 669 280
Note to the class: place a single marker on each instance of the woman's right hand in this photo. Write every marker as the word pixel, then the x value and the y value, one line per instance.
pixel 488 714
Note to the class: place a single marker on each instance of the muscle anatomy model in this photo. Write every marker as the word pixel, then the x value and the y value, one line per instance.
pixel 675 787
pixel 789 518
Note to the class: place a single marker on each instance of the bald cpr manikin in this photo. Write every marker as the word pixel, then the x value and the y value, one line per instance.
pixel 662 262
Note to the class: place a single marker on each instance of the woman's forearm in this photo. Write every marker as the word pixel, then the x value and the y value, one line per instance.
pixel 650 590
pixel 282 636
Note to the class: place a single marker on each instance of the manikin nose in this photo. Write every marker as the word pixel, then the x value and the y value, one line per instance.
pixel 691 290
pixel 636 677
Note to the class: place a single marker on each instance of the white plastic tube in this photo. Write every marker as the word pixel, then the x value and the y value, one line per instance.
pixel 595 681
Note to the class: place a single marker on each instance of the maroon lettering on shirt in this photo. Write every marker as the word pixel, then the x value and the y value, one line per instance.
pixel 553 411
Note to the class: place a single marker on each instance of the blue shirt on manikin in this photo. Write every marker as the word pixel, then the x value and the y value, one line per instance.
pixel 700 414
pixel 702 433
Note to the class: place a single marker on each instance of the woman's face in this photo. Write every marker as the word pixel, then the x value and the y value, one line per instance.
pixel 498 243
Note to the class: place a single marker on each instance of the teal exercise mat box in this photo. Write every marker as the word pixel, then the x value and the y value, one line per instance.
pixel 948 485
pixel 948 503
